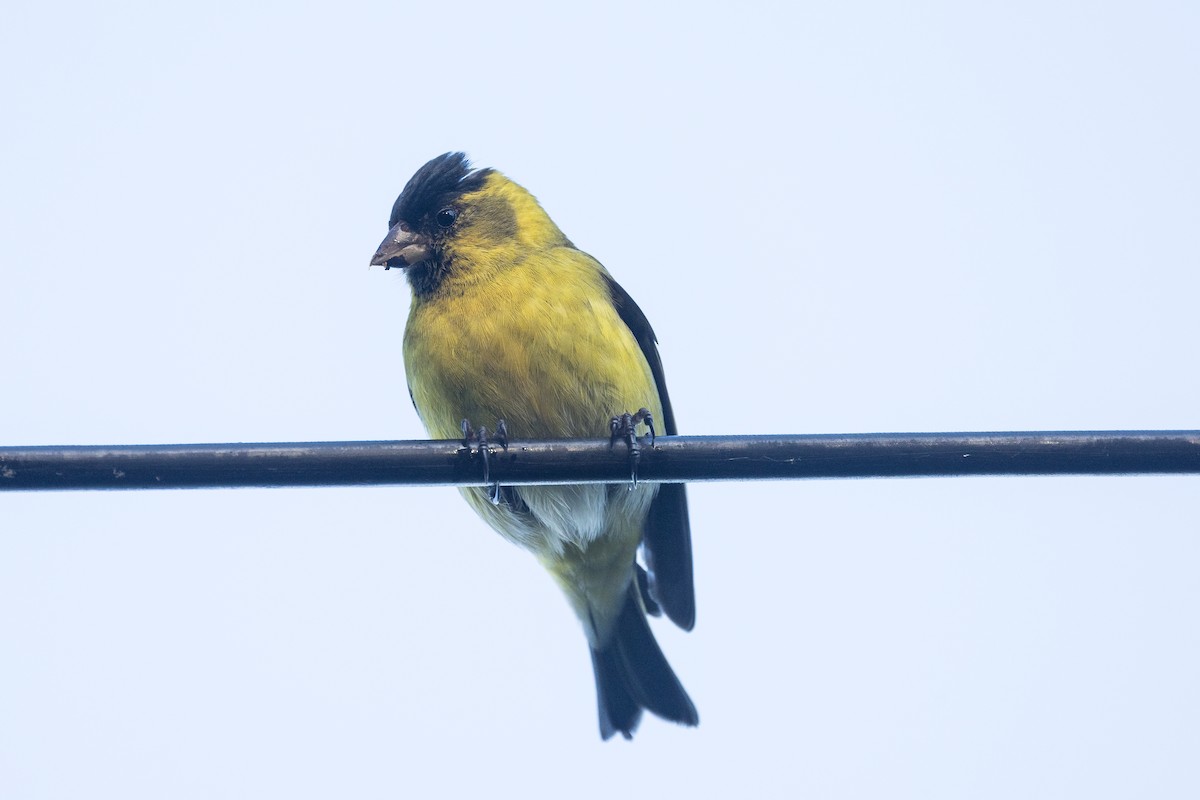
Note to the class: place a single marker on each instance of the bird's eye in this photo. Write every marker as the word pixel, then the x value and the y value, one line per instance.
pixel 445 218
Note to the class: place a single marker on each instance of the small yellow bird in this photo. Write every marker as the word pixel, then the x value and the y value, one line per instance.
pixel 510 321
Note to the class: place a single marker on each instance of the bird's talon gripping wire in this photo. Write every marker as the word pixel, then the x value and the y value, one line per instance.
pixel 480 437
pixel 484 452
pixel 625 427
pixel 644 415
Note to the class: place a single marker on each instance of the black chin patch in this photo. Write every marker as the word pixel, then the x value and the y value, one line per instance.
pixel 425 277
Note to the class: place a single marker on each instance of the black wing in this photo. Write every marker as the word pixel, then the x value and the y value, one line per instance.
pixel 667 538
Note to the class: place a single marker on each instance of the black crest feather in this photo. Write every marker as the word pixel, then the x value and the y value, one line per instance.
pixel 434 185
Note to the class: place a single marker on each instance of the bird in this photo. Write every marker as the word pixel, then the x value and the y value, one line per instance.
pixel 510 323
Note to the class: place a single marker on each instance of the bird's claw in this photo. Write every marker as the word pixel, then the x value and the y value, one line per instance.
pixel 483 447
pixel 625 427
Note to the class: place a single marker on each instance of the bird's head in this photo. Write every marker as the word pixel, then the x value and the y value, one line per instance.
pixel 452 218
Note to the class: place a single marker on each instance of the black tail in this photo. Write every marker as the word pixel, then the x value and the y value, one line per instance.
pixel 632 673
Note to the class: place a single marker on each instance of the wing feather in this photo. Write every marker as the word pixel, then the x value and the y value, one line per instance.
pixel 666 538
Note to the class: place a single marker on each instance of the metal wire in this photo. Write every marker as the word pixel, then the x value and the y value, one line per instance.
pixel 671 459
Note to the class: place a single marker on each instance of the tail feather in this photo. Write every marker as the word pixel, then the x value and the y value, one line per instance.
pixel 633 674
pixel 618 710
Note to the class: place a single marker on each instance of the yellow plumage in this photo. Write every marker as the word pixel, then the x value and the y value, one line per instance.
pixel 530 345
pixel 509 321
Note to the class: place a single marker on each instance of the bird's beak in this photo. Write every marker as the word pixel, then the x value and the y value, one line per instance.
pixel 401 248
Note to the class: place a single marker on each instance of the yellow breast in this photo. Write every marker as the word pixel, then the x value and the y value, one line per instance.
pixel 538 344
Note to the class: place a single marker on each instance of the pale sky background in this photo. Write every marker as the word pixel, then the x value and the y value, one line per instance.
pixel 840 217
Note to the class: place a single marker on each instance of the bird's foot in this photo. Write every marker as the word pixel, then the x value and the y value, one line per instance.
pixel 484 448
pixel 625 427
